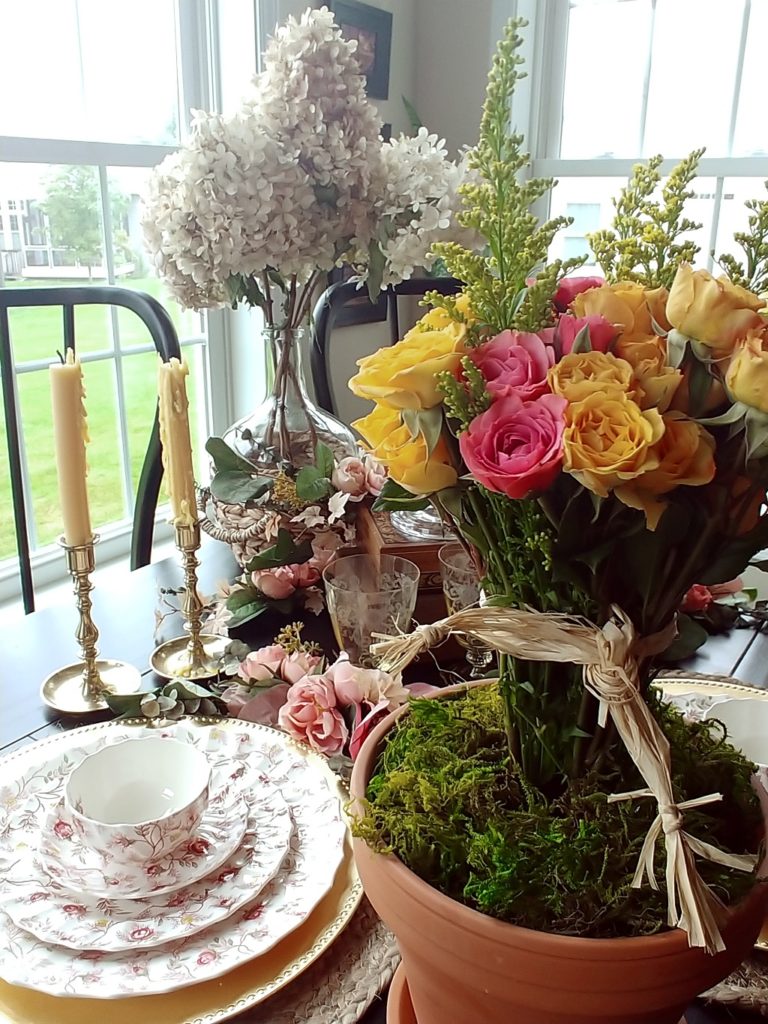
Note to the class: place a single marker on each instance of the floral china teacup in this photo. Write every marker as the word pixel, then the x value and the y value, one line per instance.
pixel 137 800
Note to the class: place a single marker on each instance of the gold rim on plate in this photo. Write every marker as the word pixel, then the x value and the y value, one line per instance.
pixel 223 997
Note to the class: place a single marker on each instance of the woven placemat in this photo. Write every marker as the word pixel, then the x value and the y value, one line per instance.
pixel 342 984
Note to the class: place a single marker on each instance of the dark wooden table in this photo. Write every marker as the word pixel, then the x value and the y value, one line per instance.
pixel 125 612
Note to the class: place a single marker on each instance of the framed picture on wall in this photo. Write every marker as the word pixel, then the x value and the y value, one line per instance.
pixel 372 28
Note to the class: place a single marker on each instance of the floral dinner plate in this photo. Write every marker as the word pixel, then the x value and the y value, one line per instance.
pixel 305 876
pixel 87 922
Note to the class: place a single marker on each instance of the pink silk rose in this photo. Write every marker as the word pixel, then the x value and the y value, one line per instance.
pixel 262 664
pixel 375 476
pixel 570 287
pixel 697 599
pixel 602 334
pixel 275 584
pixel 310 714
pixel 516 447
pixel 299 664
pixel 516 362
pixel 350 478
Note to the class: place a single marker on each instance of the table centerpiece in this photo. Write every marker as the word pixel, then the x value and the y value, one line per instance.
pixel 254 210
pixel 600 445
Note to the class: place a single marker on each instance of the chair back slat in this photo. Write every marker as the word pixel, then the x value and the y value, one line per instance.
pixel 163 334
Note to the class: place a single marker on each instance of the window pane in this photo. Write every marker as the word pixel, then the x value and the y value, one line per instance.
pixel 80 72
pixel 589 202
pixel 733 214
pixel 695 54
pixel 750 138
pixel 602 111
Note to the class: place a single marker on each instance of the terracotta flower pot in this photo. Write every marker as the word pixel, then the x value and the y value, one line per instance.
pixel 464 967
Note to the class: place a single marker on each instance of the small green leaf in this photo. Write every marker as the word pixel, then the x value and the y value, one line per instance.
pixel 240 597
pixel 410 418
pixel 731 415
pixel 677 344
pixel 413 117
pixel 187 690
pixel 376 265
pixel 284 552
pixel 691 635
pixel 125 704
pixel 225 457
pixel 431 427
pixel 247 612
pixel 699 385
pixel 236 488
pixel 582 342
pixel 324 459
pixel 311 484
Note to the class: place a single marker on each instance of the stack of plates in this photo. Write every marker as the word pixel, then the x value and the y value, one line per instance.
pixel 266 877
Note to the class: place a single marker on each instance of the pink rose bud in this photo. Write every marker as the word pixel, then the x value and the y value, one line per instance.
pixel 350 476
pixel 375 476
pixel 698 599
pixel 570 287
pixel 601 333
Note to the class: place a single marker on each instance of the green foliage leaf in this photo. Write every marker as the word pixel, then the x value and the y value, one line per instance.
pixel 312 484
pixel 125 704
pixel 324 459
pixel 248 611
pixel 733 557
pixel 677 345
pixel 185 689
pixel 284 552
pixel 376 265
pixel 427 423
pixel 414 120
pixel 699 386
pixel 394 498
pixel 236 488
pixel 691 635
pixel 225 458
pixel 582 342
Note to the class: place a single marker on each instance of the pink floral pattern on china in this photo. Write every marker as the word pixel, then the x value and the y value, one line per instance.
pixel 117 924
pixel 148 841
pixel 72 864
pixel 306 875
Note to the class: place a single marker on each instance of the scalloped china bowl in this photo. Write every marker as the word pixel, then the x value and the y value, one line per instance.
pixel 137 800
pixel 747 725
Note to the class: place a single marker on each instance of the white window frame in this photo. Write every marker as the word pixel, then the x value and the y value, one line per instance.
pixel 199 59
pixel 537 110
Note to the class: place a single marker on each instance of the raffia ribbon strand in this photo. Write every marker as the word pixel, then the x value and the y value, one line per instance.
pixel 609 657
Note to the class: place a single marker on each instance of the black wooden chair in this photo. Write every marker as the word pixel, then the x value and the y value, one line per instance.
pixel 163 333
pixel 332 302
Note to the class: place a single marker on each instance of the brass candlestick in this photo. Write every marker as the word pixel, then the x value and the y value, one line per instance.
pixel 198 655
pixel 82 686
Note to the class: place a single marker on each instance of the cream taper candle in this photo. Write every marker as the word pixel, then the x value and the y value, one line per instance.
pixel 174 435
pixel 70 434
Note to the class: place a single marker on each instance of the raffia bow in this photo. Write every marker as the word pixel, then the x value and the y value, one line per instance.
pixel 609 657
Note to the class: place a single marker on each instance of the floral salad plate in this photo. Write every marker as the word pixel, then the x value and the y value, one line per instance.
pixel 88 922
pixel 256 756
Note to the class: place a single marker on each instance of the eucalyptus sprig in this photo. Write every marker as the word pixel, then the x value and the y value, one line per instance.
pixel 754 242
pixel 645 244
pixel 498 205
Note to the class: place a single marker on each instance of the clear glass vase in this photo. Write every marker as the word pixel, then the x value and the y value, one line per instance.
pixel 284 430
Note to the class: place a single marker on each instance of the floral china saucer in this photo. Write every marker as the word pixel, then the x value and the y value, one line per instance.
pixel 66 860
pixel 88 922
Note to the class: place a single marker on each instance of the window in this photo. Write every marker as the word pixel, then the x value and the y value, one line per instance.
pixel 74 161
pixel 600 106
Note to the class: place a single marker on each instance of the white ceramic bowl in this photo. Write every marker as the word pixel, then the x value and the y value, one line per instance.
pixel 747 725
pixel 139 799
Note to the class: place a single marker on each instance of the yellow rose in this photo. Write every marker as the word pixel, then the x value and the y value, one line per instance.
pixel 626 305
pixel 403 376
pixel 686 458
pixel 648 358
pixel 715 312
pixel 576 375
pixel 747 375
pixel 609 439
pixel 406 458
pixel 437 318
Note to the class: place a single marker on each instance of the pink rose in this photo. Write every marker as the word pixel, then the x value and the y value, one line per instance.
pixel 516 362
pixel 305 574
pixel 570 287
pixel 353 685
pixel 298 665
pixel 262 664
pixel 602 334
pixel 350 477
pixel 206 957
pixel 198 847
pixel 62 829
pixel 516 447
pixel 698 599
pixel 74 909
pixel 310 714
pixel 254 913
pixel 375 476
pixel 275 584
pixel 139 934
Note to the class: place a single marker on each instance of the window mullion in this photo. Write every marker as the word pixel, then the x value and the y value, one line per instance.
pixel 647 80
pixel 114 320
pixel 739 74
pixel 718 202
pixel 26 486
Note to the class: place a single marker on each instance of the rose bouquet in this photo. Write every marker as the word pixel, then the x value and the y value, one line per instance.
pixel 599 444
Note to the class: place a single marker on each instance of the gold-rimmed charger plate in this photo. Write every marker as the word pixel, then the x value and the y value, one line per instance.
pixel 724 688
pixel 220 998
